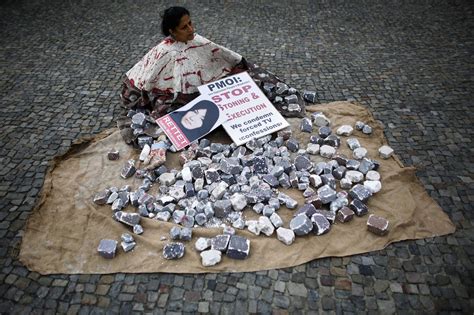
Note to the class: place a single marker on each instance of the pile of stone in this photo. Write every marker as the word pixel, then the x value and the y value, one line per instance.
pixel 218 182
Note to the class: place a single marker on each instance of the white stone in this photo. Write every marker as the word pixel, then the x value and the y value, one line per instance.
pixel 239 201
pixel 145 152
pixel 372 175
pixel 373 185
pixel 344 130
pixel 239 224
pixel 312 148
pixel 266 226
pixel 202 243
pixel 327 151
pixel 345 183
pixel 385 151
pixel 198 184
pixel 354 176
pixel 220 190
pixel 167 179
pixel 286 236
pixel 315 180
pixel 320 120
pixel 253 227
pixel 186 174
pixel 276 220
pixel 211 257
pixel 359 153
pixel 353 143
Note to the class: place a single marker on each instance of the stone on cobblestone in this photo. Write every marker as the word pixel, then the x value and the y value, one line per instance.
pixel 306 125
pixel 210 257
pixel 173 250
pixel 338 204
pixel 377 225
pixel 107 248
pixel 128 169
pixel 321 225
pixel 113 155
pixel 270 180
pixel 358 207
pixel 130 219
pixel 339 172
pixel 327 151
pixel 286 236
pixel 266 226
pixel 301 225
pixel 344 215
pixel 268 210
pixel 238 248
pixel 385 152
pixel 315 181
pixel 220 242
pixel 310 96
pixel 319 119
pixel 374 186
pixel 328 179
pixel 344 130
pixel 329 215
pixel 139 120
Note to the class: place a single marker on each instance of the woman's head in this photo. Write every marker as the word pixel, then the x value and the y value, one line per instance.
pixel 198 120
pixel 177 23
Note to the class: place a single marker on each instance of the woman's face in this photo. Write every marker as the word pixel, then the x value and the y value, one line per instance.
pixel 193 119
pixel 185 30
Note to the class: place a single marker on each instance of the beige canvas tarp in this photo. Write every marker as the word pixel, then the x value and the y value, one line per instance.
pixel 65 228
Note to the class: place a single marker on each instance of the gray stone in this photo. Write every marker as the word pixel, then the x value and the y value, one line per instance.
pixel 210 257
pixel 271 180
pixel 327 151
pixel 329 215
pixel 276 220
pixel 239 224
pixel 127 238
pixel 333 141
pixel 360 192
pixel 260 165
pixel 385 152
pixel 310 96
pixel 326 194
pixel 302 162
pixel 220 242
pixel 238 248
pixel 137 229
pixel 313 149
pixel 117 205
pixel 329 179
pixel 367 129
pixel 289 202
pixel 358 207
pixel 353 143
pixel 113 155
pixel 211 175
pixel 359 125
pixel 200 219
pixel 186 234
pixel 339 172
pixel 306 125
pixel 163 216
pixel 167 179
pixel 286 236
pixel 319 119
pixel 354 176
pixel 128 169
pixel 222 208
pixel 324 131
pixel 352 165
pixel 268 211
pixel 130 219
pixel 173 250
pixel 320 224
pixel 366 165
pixel 107 248
pixel 338 204
pixel 301 225
pixel 139 120
pixel 128 246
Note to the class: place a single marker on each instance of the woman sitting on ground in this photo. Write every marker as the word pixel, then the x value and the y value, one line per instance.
pixel 168 76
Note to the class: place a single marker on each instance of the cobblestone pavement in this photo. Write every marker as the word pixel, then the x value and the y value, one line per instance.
pixel 410 62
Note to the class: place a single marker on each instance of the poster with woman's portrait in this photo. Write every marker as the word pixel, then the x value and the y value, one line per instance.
pixel 191 122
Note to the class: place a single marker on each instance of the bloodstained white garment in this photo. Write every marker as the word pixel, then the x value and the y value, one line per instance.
pixel 173 66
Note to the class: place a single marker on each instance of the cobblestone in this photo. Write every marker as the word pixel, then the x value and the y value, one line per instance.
pixel 408 62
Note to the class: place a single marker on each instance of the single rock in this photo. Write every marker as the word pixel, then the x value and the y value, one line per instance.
pixel 359 125
pixel 326 194
pixel 306 125
pixel 101 197
pixel 302 162
pixel 344 215
pixel 324 132
pixel 353 143
pixel 367 129
pixel 260 165
pixel 377 225
pixel 374 186
pixel 312 148
pixel 202 243
pixel 333 141
pixel 127 238
pixel 271 180
pixel 372 175
pixel 253 226
pixel 329 215
pixel 320 224
pixel 145 152
pixel 385 152
pixel 266 226
pixel 329 179
pixel 366 165
pixel 327 151
pixel 352 165
pixel 286 236
pixel 107 248
pixel 360 192
pixel 354 176
pixel 344 130
pixel 319 119
pixel 238 201
pixel 301 225
pixel 239 224
pixel 276 220
pixel 220 242
pixel 186 234
pixel 310 96
pixel 220 190
pixel 137 229
pixel 289 202
pixel 239 247
pixel 130 219
pixel 210 257
pixel 358 207
pixel 113 155
pixel 128 169
pixel 359 153
pixel 173 251
pixel 167 179
pixel 292 144
pixel 128 246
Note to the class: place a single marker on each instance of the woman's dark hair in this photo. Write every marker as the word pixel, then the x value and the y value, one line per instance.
pixel 171 18
pixel 212 115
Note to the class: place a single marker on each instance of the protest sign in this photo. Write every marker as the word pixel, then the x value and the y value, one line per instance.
pixel 191 122
pixel 248 112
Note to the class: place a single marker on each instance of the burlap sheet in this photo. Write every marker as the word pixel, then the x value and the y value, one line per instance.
pixel 65 228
